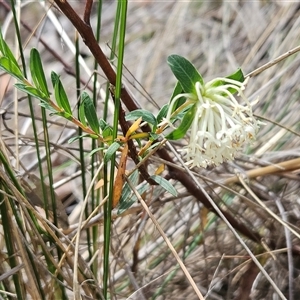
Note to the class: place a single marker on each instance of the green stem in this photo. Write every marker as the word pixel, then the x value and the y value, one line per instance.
pixel 108 206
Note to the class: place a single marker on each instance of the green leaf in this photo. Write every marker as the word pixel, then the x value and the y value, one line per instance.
pixel 60 94
pixel 177 90
pixel 32 91
pixel 164 184
pixel 162 113
pixel 237 76
pixel 184 125
pixel 37 72
pixel 107 130
pixel 96 150
pixel 185 72
pixel 103 124
pixel 54 78
pixel 90 112
pixel 11 68
pixel 75 138
pixel 82 114
pixel 128 197
pixel 153 136
pixel 141 113
pixel 7 52
pixel 47 106
pixel 111 151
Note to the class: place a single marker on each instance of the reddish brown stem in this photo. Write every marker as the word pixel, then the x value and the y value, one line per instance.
pixel 87 11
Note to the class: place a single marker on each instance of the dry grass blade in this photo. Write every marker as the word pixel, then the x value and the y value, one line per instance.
pixel 278 219
pixel 181 264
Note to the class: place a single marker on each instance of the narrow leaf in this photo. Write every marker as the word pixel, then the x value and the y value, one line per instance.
pixel 54 78
pixel 96 150
pixel 134 179
pixel 37 72
pixel 82 114
pixel 141 113
pixel 103 124
pixel 107 132
pixel 177 90
pixel 153 136
pixel 106 128
pixel 31 91
pixel 47 106
pixel 162 113
pixel 184 125
pixel 7 52
pixel 90 112
pixel 75 138
pixel 11 68
pixel 164 184
pixel 128 197
pixel 111 151
pixel 185 72
pixel 120 178
pixel 61 97
pixel 133 127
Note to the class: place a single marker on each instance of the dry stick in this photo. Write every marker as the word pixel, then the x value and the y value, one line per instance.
pixel 152 217
pixel 273 62
pixel 88 37
pixel 282 167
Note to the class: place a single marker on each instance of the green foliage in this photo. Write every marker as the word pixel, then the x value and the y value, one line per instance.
pixel 165 184
pixel 162 113
pixel 144 114
pixel 237 76
pixel 113 148
pixel 185 124
pixel 128 197
pixel 107 130
pixel 90 112
pixel 8 63
pixel 60 94
pixel 37 72
pixel 180 101
pixel 76 138
pixel 33 91
pixel 185 72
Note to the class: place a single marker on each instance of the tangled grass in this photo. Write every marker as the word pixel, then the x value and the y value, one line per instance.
pixel 259 190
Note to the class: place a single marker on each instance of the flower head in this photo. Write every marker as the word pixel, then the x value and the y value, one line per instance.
pixel 221 124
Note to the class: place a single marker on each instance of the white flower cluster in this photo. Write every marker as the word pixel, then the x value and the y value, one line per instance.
pixel 221 125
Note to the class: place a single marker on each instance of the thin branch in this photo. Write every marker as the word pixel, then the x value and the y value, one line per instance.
pixel 87 12
pixel 273 62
